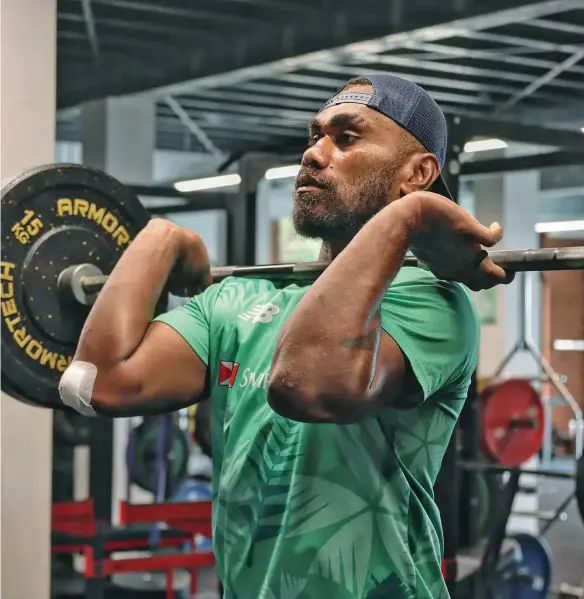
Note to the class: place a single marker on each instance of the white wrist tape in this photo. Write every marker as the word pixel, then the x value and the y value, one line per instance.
pixel 76 387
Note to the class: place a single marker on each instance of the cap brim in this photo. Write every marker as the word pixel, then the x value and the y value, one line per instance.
pixel 441 188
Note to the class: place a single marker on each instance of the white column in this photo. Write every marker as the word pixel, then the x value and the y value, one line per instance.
pixel 488 208
pixel 118 137
pixel 27 121
pixel 520 201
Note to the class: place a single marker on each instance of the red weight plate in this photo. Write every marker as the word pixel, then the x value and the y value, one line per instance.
pixel 512 421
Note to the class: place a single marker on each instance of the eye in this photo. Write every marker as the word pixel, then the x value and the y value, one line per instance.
pixel 346 138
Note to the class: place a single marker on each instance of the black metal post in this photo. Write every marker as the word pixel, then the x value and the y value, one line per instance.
pixel 242 207
pixel 101 468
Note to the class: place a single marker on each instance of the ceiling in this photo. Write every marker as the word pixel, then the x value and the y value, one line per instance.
pixel 233 75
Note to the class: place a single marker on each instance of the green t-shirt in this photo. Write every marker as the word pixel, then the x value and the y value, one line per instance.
pixel 323 510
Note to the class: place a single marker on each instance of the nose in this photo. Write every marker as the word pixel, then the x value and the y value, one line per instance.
pixel 318 155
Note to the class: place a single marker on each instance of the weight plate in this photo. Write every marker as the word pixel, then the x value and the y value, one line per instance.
pixel 72 428
pixel 143 466
pixel 512 424
pixel 151 582
pixel 531 576
pixel 580 485
pixel 193 490
pixel 54 216
pixel 203 427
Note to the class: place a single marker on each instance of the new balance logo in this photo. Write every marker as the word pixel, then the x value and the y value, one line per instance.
pixel 261 313
pixel 227 373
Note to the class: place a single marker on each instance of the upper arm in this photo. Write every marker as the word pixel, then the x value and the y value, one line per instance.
pixel 168 371
pixel 430 336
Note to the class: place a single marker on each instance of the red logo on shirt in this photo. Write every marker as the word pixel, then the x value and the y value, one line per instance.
pixel 227 373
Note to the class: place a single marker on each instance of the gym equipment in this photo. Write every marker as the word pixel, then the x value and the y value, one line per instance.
pixel 580 485
pixel 151 583
pixel 53 217
pixel 64 227
pixel 203 427
pixel 144 451
pixel 526 343
pixel 487 493
pixel 72 428
pixel 571 258
pixel 528 573
pixel 512 425
pixel 577 477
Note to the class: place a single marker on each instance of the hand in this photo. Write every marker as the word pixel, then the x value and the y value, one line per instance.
pixel 192 271
pixel 450 241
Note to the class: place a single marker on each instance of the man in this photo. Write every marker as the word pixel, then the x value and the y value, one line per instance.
pixel 333 403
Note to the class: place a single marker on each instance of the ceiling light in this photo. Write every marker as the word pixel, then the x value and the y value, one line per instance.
pixel 484 144
pixel 559 226
pixel 208 183
pixel 282 172
pixel 582 129
pixel 569 345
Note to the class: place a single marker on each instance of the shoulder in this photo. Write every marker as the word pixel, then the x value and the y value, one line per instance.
pixel 435 316
pixel 420 287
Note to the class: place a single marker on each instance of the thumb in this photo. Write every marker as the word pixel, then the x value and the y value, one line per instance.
pixel 491 235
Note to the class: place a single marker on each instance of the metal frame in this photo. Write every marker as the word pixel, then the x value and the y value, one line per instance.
pixel 257 90
pixel 526 343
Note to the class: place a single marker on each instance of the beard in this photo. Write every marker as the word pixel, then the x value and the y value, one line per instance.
pixel 332 213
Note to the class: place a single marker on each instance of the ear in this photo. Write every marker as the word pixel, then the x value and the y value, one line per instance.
pixel 419 173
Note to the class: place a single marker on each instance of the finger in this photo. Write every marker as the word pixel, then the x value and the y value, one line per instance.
pixel 493 270
pixel 487 236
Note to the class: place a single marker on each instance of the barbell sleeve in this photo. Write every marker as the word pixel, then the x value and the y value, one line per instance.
pixel 569 258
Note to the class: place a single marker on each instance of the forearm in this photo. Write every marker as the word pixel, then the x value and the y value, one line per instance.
pixel 328 347
pixel 125 306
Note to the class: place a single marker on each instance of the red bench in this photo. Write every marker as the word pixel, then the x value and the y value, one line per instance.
pixel 74 531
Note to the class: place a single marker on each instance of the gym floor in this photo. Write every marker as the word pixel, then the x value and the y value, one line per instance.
pixel 565 536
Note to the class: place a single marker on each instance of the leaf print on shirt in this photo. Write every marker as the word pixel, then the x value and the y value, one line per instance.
pixel 252 487
pixel 420 445
pixel 290 588
pixel 392 587
pixel 364 512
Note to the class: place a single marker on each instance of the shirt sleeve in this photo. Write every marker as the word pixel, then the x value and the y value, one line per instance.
pixel 193 321
pixel 436 326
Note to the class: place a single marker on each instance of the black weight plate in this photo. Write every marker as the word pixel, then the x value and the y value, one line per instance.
pixel 72 428
pixel 203 427
pixel 54 216
pixel 143 466
pixel 580 485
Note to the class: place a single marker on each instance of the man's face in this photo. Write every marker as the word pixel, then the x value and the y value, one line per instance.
pixel 348 172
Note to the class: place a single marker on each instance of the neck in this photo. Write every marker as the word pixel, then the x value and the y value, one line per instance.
pixel 329 250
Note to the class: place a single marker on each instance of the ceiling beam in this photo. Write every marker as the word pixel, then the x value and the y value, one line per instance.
pixel 376 46
pixel 541 81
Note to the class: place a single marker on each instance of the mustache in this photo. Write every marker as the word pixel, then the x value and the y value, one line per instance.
pixel 310 177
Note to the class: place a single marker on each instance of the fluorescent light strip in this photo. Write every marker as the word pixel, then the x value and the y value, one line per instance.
pixel 208 183
pixel 484 144
pixel 559 226
pixel 569 345
pixel 282 172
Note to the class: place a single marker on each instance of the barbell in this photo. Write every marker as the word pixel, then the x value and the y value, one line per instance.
pixel 64 227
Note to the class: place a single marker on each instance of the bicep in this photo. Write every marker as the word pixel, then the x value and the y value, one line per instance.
pixel 395 383
pixel 164 374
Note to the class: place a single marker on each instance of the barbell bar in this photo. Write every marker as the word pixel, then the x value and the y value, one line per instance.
pixel 571 258
pixel 64 227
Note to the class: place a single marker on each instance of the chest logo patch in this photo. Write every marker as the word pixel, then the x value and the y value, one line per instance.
pixel 261 313
pixel 227 373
